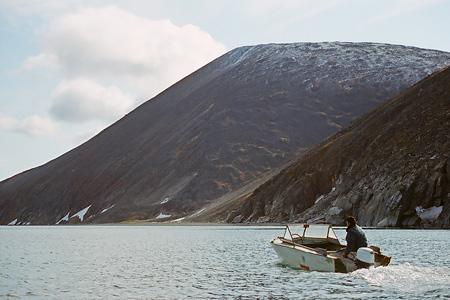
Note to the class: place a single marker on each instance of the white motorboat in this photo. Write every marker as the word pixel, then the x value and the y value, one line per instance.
pixel 315 247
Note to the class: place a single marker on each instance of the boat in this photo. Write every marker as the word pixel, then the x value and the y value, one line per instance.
pixel 316 247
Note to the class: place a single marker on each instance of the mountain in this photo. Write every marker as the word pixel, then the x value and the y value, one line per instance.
pixel 232 123
pixel 389 168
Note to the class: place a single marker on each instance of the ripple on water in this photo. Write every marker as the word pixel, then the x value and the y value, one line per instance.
pixel 200 262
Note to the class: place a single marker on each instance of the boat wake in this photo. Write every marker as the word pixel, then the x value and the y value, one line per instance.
pixel 408 278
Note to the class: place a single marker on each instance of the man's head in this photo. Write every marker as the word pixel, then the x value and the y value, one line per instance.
pixel 351 220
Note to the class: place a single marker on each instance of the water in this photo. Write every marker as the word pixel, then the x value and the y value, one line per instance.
pixel 202 262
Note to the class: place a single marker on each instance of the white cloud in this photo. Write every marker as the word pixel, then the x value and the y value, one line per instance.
pixel 34 125
pixel 42 60
pixel 109 42
pixel 82 100
pixel 97 45
pixel 38 126
pixel 7 122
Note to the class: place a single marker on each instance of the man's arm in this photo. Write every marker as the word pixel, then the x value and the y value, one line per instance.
pixel 351 239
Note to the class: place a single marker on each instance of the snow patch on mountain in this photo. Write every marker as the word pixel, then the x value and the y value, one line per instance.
pixel 162 216
pixel 13 222
pixel 65 218
pixel 81 213
pixel 106 209
pixel 429 214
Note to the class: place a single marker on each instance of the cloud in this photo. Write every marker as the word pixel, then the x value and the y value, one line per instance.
pixel 82 100
pixel 95 46
pixel 109 42
pixel 34 125
pixel 7 122
pixel 38 126
pixel 42 60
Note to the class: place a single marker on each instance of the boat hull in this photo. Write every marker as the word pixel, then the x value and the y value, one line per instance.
pixel 297 256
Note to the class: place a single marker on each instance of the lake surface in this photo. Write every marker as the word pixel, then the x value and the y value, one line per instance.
pixel 206 262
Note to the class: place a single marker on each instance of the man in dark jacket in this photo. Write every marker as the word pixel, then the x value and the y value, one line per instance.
pixel 356 238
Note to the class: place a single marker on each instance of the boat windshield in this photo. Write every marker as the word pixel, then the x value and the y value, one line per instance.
pixel 321 231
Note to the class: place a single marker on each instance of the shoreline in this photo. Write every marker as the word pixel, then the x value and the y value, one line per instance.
pixel 212 224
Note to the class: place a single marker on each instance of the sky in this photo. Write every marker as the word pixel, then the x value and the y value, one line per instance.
pixel 69 69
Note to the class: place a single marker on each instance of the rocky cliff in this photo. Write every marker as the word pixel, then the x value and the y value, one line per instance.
pixel 232 122
pixel 391 167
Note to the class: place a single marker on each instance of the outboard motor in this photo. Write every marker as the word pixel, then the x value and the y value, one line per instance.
pixel 365 257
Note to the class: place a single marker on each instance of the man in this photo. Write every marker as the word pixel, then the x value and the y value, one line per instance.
pixel 356 238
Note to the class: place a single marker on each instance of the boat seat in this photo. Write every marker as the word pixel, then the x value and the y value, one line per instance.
pixel 326 246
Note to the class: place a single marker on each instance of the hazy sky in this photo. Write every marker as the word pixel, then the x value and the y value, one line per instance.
pixel 70 68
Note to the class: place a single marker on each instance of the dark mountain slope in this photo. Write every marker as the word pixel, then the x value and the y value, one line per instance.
pixel 391 167
pixel 227 124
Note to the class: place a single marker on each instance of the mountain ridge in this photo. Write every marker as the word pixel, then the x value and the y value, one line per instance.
pixel 229 123
pixel 398 177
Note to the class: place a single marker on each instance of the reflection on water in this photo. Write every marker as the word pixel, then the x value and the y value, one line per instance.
pixel 201 262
